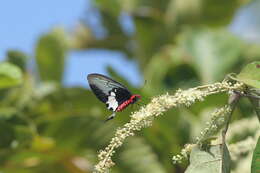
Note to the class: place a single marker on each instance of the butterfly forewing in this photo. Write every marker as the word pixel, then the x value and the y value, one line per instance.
pixel 102 87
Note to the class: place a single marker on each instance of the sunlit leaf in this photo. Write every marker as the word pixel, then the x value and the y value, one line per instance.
pixel 250 74
pixel 7 112
pixel 10 75
pixel 51 50
pixel 41 143
pixel 212 54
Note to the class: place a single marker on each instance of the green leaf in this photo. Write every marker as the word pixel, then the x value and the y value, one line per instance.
pixel 224 9
pixel 208 12
pixel 256 103
pixel 226 160
pixel 209 161
pixel 10 75
pixel 255 167
pixel 7 112
pixel 250 75
pixel 212 53
pixel 41 143
pixel 112 7
pixel 50 55
pixel 17 58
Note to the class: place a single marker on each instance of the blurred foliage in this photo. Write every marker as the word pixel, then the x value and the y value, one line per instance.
pixel 10 75
pixel 250 76
pixel 47 127
pixel 50 55
pixel 17 58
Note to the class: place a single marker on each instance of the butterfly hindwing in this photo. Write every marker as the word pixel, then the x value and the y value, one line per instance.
pixel 122 95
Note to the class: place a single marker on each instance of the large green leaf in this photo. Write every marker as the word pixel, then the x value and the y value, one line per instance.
pixel 10 75
pixel 209 161
pixel 255 167
pixel 250 75
pixel 212 54
pixel 50 55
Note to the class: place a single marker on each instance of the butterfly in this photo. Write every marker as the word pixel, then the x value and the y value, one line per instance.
pixel 115 95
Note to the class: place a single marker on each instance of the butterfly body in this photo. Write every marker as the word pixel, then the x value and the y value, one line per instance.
pixel 115 95
pixel 132 100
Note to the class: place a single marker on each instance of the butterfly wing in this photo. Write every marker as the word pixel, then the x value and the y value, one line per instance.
pixel 105 88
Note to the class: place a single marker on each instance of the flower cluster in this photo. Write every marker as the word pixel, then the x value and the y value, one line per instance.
pixel 218 119
pixel 184 153
pixel 158 105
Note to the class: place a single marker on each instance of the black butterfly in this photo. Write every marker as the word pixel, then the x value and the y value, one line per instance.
pixel 116 96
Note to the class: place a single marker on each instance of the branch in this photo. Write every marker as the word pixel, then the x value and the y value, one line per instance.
pixel 158 105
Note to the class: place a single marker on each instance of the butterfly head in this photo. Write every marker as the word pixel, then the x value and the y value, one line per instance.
pixel 134 98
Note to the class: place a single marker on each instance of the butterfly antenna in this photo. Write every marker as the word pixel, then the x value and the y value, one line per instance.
pixel 111 117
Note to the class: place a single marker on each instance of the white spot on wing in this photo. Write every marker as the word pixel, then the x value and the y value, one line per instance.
pixel 112 104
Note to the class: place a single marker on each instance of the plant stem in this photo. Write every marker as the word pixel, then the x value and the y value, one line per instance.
pixel 233 100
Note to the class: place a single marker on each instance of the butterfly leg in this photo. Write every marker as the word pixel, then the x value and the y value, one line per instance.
pixel 111 117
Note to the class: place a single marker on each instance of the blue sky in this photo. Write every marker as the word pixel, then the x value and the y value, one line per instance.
pixel 22 22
